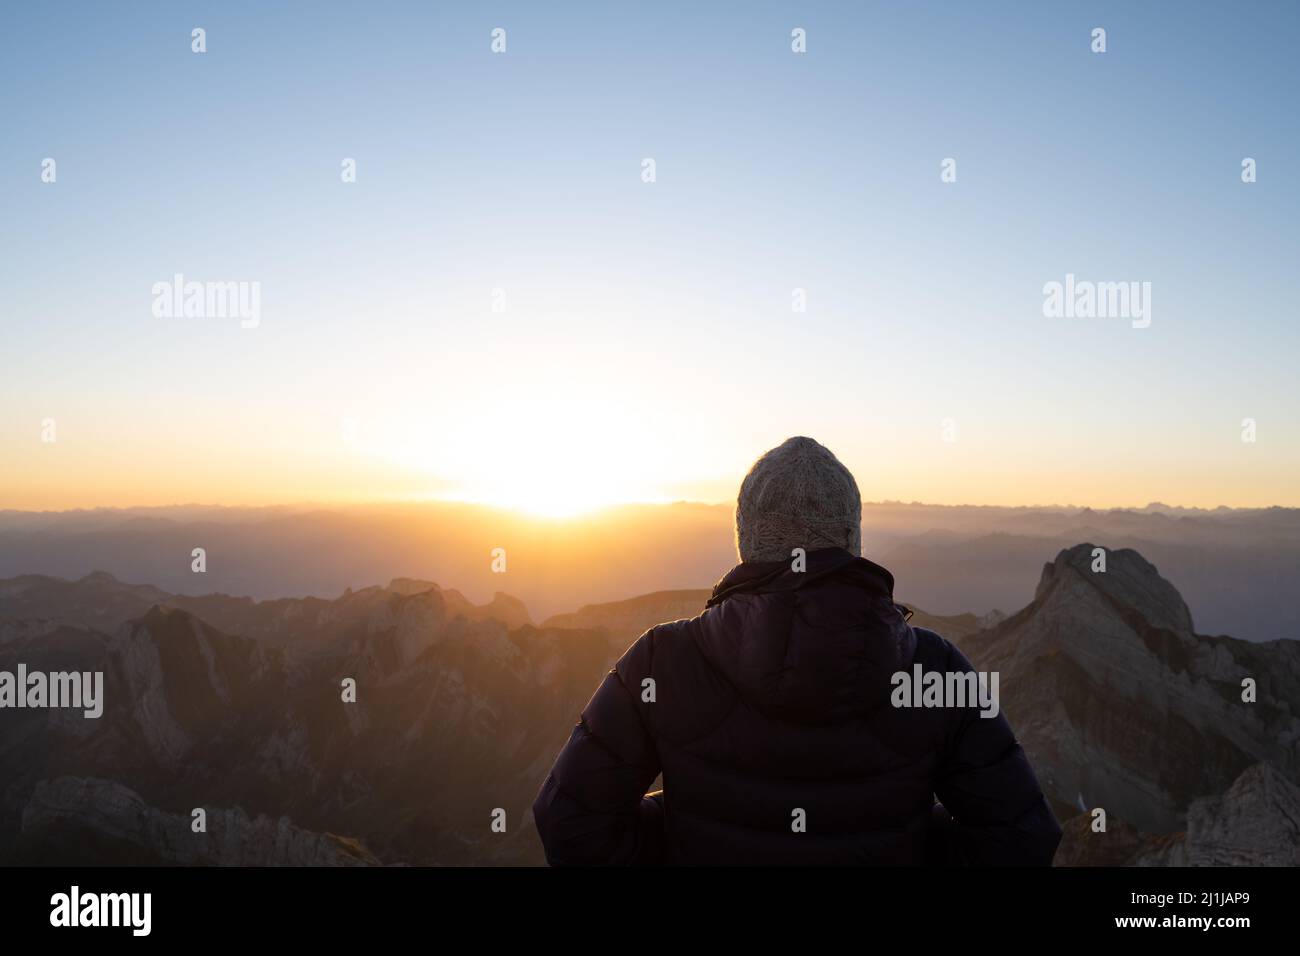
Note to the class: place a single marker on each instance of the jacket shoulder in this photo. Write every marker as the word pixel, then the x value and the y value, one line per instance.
pixel 679 694
pixel 933 652
pixel 660 641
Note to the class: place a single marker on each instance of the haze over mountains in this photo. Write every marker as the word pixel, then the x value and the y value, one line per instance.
pixel 233 706
pixel 1237 569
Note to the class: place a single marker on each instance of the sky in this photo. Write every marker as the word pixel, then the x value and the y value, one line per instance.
pixel 648 348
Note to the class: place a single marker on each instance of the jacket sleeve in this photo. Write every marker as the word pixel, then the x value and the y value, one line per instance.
pixel 996 813
pixel 592 808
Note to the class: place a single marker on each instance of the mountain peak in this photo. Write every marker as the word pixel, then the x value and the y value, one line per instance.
pixel 97 577
pixel 410 586
pixel 1128 579
pixel 164 623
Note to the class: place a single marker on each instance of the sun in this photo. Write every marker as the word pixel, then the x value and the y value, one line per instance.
pixel 533 442
pixel 546 493
pixel 542 503
pixel 527 464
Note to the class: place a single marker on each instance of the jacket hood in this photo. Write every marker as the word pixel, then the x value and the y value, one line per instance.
pixel 814 646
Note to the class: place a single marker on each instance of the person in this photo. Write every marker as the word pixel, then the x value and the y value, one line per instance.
pixel 772 718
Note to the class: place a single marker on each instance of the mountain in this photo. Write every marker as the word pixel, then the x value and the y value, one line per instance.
pixel 95 600
pixel 1256 822
pixel 77 821
pixel 949 560
pixel 236 706
pixel 453 720
pixel 102 602
pixel 625 621
pixel 1119 702
pixel 954 626
pixel 510 611
pixel 997 569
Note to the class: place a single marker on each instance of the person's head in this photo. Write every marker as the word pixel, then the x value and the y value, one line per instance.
pixel 798 495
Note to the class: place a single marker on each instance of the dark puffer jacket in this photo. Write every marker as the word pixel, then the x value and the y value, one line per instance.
pixel 776 700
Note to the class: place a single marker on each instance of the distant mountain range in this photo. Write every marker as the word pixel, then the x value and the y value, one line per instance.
pixel 1238 569
pixel 234 706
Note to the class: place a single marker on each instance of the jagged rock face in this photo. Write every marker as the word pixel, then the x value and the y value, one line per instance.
pixel 1120 844
pixel 510 611
pixel 1119 704
pixel 1256 823
pixel 1129 580
pixel 454 718
pixel 180 700
pixel 315 625
pixel 90 821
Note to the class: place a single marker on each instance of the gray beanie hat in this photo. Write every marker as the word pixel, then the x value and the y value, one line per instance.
pixel 798 495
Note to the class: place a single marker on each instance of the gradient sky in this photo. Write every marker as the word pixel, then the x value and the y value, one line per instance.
pixel 649 350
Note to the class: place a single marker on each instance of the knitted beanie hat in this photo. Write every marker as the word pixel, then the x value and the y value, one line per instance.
pixel 798 495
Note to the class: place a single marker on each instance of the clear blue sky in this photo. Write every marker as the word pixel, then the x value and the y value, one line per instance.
pixel 651 321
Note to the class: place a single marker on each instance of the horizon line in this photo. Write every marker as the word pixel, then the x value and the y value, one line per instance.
pixel 346 504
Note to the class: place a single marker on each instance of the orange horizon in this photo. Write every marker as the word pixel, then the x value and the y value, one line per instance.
pixel 345 503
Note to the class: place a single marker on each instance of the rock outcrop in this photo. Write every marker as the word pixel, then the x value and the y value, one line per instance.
pixel 90 821
pixel 1121 705
pixel 1255 822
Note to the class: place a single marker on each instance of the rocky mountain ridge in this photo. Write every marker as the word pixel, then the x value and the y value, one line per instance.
pixel 237 706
